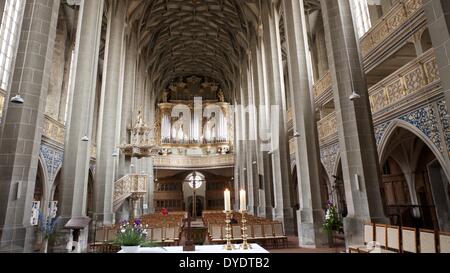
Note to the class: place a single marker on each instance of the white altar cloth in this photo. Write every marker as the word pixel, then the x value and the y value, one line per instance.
pixel 255 248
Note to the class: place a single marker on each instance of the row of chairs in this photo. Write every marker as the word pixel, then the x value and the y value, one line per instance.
pixel 268 235
pixel 166 236
pixel 394 239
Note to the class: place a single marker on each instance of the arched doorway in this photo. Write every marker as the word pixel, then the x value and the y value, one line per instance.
pixel 414 184
pixel 338 191
pixel 39 203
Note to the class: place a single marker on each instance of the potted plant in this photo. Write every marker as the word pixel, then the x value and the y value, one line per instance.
pixel 333 221
pixel 131 237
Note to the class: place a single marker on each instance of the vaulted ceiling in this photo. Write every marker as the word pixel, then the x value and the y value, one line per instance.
pixel 195 37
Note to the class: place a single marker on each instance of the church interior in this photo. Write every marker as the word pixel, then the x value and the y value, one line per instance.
pixel 259 126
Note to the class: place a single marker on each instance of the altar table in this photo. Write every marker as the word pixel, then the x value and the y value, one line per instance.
pixel 255 248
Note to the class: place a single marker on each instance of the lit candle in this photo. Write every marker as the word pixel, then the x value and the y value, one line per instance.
pixel 227 200
pixel 243 200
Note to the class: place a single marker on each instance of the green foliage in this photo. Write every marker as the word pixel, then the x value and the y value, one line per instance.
pixel 333 221
pixel 131 235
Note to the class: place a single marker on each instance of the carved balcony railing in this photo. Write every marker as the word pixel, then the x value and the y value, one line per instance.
pixel 53 130
pixel 327 126
pixel 395 18
pixel 208 161
pixel 129 186
pixel 290 114
pixel 93 151
pixel 323 85
pixel 407 80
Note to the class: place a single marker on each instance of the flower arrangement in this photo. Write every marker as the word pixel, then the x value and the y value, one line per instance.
pixel 47 226
pixel 333 221
pixel 165 213
pixel 131 235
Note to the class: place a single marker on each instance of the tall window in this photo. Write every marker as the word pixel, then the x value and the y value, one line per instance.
pixel 9 34
pixel 362 16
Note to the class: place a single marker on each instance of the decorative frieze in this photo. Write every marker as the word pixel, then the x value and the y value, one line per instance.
pixel 407 80
pixel 425 119
pixel 380 130
pixel 175 161
pixel 93 151
pixel 53 130
pixel 393 20
pixel 322 86
pixel 445 121
pixel 327 126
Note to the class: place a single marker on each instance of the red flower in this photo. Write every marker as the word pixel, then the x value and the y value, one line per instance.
pixel 164 212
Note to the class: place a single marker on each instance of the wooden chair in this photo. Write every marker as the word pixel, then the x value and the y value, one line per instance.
pixel 258 235
pixel 427 241
pixel 169 236
pixel 236 233
pixel 268 234
pixel 157 235
pixel 105 248
pixel 112 234
pixel 393 239
pixel 216 234
pixel 409 241
pixel 444 242
pixel 101 235
pixel 380 235
pixel 279 234
pixel 177 235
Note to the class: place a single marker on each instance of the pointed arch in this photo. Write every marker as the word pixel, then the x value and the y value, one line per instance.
pixel 390 130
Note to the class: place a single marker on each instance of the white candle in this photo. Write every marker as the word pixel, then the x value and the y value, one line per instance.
pixel 227 200
pixel 243 199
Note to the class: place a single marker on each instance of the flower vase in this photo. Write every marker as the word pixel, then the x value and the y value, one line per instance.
pixel 130 249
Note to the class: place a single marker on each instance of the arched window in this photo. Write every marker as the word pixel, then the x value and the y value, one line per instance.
pixel 198 178
pixel 9 34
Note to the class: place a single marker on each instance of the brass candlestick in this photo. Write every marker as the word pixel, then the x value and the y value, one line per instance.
pixel 245 245
pixel 228 246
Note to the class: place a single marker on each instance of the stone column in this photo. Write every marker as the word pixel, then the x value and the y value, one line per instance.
pixel 360 164
pixel 258 101
pixel 438 18
pixel 246 142
pixel 310 216
pixel 106 144
pixel 21 137
pixel 264 128
pixel 82 93
pixel 127 101
pixel 280 156
pixel 252 162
